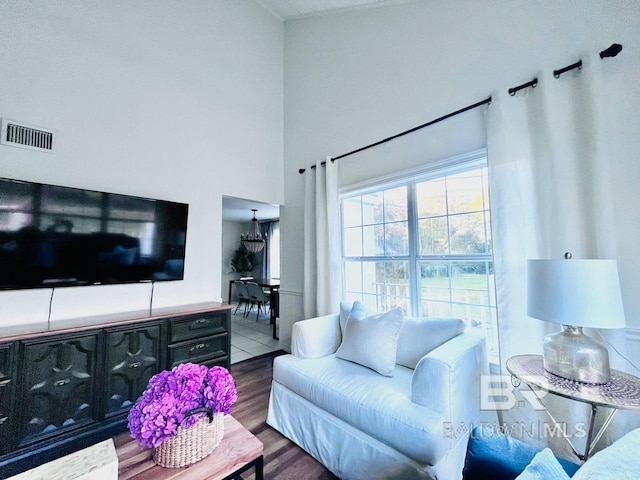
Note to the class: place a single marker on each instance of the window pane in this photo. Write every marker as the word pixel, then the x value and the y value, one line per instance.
pixel 464 192
pixel 352 277
pixel 436 309
pixel 397 239
pixel 452 216
pixel 432 198
pixel 351 297
pixel 369 279
pixel 434 281
pixel 371 302
pixel 373 239
pixel 469 283
pixel 352 238
pixel 372 208
pixel 467 234
pixel 396 278
pixel 433 236
pixel 392 285
pixel 395 204
pixel 351 212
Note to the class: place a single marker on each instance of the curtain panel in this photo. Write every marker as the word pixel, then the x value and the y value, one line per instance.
pixel 266 229
pixel 322 289
pixel 562 171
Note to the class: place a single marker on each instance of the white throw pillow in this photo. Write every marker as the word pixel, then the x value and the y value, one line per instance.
pixel 421 335
pixel 544 466
pixel 619 461
pixel 357 310
pixel 372 341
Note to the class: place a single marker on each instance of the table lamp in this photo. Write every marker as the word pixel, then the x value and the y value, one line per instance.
pixel 575 294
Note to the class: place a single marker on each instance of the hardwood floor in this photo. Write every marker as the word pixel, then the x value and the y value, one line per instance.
pixel 283 459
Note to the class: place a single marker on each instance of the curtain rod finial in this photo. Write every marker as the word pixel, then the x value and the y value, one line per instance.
pixel 612 51
pixel 301 171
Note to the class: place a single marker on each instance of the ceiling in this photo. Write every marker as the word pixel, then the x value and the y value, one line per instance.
pixel 239 210
pixel 289 9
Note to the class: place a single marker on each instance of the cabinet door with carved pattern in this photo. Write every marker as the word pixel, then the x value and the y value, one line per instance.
pixel 7 382
pixel 133 357
pixel 57 385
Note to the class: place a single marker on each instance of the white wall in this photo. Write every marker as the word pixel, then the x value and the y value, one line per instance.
pixel 355 78
pixel 174 100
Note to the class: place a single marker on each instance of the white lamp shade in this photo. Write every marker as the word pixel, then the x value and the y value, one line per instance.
pixel 583 293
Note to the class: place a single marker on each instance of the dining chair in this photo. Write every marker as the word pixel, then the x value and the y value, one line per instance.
pixel 258 297
pixel 243 296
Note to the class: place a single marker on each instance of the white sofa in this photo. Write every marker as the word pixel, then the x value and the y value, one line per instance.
pixel 363 425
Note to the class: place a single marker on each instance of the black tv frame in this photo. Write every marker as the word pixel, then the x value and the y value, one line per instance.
pixel 38 255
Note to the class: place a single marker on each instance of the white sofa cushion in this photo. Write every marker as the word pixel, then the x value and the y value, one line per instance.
pixel 372 341
pixel 619 461
pixel 378 406
pixel 544 466
pixel 419 336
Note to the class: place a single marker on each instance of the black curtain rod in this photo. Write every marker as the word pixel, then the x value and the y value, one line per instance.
pixel 533 84
pixel 578 65
pixel 486 101
pixel 612 51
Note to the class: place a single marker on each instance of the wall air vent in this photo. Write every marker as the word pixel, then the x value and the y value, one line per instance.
pixel 26 136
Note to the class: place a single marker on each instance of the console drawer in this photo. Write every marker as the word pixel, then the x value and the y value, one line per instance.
pixel 197 326
pixel 199 350
pixel 216 362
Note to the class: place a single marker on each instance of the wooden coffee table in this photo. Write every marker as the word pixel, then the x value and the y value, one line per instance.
pixel 238 452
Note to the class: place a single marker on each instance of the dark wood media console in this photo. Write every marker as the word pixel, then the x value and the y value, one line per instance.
pixel 65 389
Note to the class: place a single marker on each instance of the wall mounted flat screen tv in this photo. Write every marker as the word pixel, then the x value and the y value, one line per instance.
pixel 53 236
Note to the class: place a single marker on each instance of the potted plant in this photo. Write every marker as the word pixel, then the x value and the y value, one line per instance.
pixel 181 413
pixel 243 261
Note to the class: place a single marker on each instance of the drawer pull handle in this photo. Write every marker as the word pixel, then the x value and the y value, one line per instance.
pixel 134 365
pixel 5 382
pixel 3 419
pixel 62 383
pixel 200 346
pixel 201 323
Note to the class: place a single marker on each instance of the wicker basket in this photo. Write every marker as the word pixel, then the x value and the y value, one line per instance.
pixel 191 444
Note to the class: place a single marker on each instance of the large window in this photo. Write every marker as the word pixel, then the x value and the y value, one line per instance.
pixel 423 244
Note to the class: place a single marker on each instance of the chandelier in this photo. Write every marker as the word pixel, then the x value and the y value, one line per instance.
pixel 253 240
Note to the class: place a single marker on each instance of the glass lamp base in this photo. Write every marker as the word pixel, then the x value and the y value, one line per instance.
pixel 572 354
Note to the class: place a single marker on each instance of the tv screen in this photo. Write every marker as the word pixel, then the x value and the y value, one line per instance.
pixel 52 236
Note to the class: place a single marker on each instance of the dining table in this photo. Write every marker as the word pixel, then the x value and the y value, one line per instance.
pixel 273 286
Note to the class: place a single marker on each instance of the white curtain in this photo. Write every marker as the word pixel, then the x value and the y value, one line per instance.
pixel 268 229
pixel 322 271
pixel 558 179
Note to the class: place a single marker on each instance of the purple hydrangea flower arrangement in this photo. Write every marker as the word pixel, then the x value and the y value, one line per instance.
pixel 170 394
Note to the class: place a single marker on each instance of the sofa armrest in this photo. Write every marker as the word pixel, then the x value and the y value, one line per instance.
pixel 316 337
pixel 447 379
